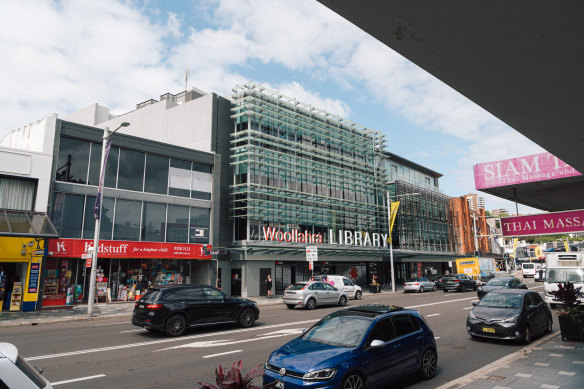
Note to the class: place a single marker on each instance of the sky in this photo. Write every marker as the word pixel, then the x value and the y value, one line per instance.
pixel 60 56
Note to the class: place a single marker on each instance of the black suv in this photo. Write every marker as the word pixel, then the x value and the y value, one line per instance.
pixel 459 282
pixel 175 308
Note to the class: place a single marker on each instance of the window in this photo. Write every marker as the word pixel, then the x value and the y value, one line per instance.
pixel 347 282
pixel 111 168
pixel 201 182
pixel 328 287
pixel 177 224
pixel 179 183
pixel 153 222
pixel 95 164
pixel 403 325
pixel 382 331
pixel 72 161
pixel 68 214
pixel 156 178
pixel 131 172
pixel 16 193
pixel 199 228
pixel 106 221
pixel 127 222
pixel 213 294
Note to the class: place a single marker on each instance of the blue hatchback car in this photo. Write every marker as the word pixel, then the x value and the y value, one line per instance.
pixel 356 348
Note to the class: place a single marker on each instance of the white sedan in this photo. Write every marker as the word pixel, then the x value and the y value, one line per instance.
pixel 419 285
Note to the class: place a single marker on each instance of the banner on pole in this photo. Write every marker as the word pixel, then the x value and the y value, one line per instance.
pixel 393 214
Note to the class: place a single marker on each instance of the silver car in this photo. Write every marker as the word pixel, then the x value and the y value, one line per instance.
pixel 420 284
pixel 16 373
pixel 309 294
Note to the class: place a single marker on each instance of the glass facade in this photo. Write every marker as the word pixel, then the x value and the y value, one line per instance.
pixel 298 167
pixel 130 220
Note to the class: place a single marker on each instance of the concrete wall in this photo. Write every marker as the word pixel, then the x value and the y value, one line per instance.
pixel 38 137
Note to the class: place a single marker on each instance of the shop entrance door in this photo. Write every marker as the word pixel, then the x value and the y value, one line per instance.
pixel 236 282
pixel 264 271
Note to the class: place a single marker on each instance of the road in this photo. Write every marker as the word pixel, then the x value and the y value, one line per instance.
pixel 113 353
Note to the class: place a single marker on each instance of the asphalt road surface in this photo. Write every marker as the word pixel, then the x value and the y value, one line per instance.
pixel 114 354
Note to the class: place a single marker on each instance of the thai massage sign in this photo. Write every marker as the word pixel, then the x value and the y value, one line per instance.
pixel 531 168
pixel 543 224
pixel 345 237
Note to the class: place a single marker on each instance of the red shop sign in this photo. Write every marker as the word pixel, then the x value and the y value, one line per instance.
pixel 75 248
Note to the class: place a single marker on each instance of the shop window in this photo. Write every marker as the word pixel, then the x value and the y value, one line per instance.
pixel 72 161
pixel 177 224
pixel 156 177
pixel 179 182
pixel 153 221
pixel 199 226
pixel 127 220
pixel 16 193
pixel 131 170
pixel 68 214
pixel 107 212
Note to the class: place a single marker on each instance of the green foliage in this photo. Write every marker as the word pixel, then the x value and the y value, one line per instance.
pixel 232 379
pixel 568 295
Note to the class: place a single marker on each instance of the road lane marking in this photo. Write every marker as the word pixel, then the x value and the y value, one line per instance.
pixel 110 324
pixel 225 353
pixel 142 329
pixel 441 302
pixel 434 314
pixel 225 342
pixel 468 308
pixel 77 379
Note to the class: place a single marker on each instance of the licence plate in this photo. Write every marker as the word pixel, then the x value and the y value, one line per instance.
pixel 141 306
pixel 279 385
pixel 489 330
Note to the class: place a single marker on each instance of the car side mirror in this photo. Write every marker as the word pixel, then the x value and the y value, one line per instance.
pixel 376 343
pixel 474 303
pixel 531 307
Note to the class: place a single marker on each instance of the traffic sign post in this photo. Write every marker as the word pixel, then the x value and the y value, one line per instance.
pixel 311 256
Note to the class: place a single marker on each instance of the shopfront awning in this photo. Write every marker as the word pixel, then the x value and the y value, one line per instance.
pixel 26 224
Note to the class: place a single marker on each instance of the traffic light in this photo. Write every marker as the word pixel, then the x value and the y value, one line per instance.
pixel 505 256
pixel 477 253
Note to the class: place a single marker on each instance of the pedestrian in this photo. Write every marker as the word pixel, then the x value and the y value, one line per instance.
pixel 268 283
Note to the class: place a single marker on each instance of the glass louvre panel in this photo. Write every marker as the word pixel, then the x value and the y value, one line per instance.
pixel 72 161
pixel 180 178
pixel 127 220
pixel 107 213
pixel 177 225
pixel 131 171
pixel 156 179
pixel 153 222
pixel 111 168
pixel 199 227
pixel 68 214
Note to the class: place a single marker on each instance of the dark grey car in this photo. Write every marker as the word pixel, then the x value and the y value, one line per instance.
pixel 458 282
pixel 500 283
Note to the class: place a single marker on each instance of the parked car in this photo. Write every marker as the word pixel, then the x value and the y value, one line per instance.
pixel 174 308
pixel 500 283
pixel 342 283
pixel 310 294
pixel 540 274
pixel 16 373
pixel 528 269
pixel 438 280
pixel 512 314
pixel 420 284
pixel 358 347
pixel 458 282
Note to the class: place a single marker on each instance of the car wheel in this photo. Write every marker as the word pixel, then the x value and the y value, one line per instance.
pixel 463 288
pixel 353 381
pixel 358 295
pixel 290 306
pixel 445 290
pixel 421 290
pixel 310 304
pixel 527 336
pixel 246 318
pixel 342 301
pixel 434 288
pixel 474 287
pixel 176 325
pixel 428 365
pixel 549 326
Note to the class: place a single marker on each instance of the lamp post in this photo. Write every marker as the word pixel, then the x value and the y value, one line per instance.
pixel 97 213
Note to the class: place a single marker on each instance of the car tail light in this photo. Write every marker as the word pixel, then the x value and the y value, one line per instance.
pixel 456 280
pixel 416 284
pixel 154 307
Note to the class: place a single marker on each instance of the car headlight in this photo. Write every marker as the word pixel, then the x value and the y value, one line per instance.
pixel 471 315
pixel 512 319
pixel 267 366
pixel 320 375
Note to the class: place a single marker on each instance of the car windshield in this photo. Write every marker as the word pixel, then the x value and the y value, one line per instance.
pixel 497 282
pixel 339 330
pixel 296 286
pixel 501 300
pixel 528 266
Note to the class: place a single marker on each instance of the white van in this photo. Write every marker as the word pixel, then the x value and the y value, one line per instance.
pixel 341 283
pixel 528 269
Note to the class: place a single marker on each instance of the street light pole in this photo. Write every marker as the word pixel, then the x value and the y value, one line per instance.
pixel 91 296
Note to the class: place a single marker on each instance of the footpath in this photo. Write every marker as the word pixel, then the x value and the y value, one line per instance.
pixel 547 363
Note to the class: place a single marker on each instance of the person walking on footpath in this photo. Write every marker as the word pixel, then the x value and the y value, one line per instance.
pixel 268 283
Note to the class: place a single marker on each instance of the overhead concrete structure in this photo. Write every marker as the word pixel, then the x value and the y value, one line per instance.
pixel 520 60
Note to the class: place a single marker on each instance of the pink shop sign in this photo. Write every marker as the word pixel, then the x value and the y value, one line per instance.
pixel 543 224
pixel 531 168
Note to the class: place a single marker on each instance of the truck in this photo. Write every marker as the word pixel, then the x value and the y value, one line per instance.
pixel 562 267
pixel 479 268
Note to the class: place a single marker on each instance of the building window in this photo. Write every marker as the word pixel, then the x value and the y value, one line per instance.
pixel 156 178
pixel 153 222
pixel 73 160
pixel 201 182
pixel 106 222
pixel 200 223
pixel 127 220
pixel 131 170
pixel 177 224
pixel 179 183
pixel 68 214
pixel 16 193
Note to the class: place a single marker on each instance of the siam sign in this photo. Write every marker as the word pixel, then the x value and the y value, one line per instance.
pixel 531 168
pixel 543 224
pixel 345 237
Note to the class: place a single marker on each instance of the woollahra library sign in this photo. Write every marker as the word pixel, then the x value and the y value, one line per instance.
pixel 341 237
pixel 543 224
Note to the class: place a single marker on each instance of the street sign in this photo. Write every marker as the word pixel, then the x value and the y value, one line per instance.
pixel 216 252
pixel 312 253
pixel 88 262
